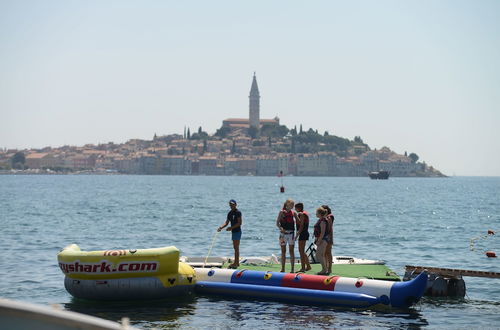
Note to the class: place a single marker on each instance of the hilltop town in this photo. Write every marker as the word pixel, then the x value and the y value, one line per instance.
pixel 241 146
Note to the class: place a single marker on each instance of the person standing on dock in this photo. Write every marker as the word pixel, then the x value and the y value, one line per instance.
pixel 234 217
pixel 302 236
pixel 321 234
pixel 286 224
pixel 328 252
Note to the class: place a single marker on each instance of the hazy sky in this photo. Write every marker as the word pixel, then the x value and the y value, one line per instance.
pixel 416 76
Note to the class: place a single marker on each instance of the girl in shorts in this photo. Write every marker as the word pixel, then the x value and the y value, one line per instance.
pixel 286 224
pixel 321 234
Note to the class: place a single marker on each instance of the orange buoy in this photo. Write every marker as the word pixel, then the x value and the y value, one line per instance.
pixel 491 254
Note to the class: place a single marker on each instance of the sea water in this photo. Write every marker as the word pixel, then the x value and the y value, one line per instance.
pixel 404 221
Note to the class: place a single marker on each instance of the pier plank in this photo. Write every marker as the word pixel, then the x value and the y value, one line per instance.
pixel 453 271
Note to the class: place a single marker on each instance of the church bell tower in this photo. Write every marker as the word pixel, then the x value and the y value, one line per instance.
pixel 254 105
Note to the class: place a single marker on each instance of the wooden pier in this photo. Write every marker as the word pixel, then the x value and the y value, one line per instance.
pixel 452 272
pixel 446 282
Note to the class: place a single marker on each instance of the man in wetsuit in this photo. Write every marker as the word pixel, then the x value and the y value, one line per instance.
pixel 234 217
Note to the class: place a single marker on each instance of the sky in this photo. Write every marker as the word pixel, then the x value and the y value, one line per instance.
pixel 415 76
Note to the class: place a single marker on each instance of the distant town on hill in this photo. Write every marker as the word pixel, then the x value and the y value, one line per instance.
pixel 241 146
pixel 272 150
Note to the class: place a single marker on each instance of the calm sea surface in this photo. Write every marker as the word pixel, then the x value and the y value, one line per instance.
pixel 403 221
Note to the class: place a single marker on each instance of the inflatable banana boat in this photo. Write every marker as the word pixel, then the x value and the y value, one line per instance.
pixel 125 274
pixel 315 289
pixel 158 273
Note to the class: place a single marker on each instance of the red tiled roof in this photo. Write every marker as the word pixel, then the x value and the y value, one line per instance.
pixel 36 155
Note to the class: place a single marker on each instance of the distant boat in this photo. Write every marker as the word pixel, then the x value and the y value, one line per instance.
pixel 379 175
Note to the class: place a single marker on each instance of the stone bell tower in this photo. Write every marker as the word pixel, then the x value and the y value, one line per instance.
pixel 254 104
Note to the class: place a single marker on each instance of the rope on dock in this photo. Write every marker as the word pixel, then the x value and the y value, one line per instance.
pixel 211 246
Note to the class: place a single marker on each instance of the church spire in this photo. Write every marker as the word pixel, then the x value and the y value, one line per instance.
pixel 254 91
pixel 254 105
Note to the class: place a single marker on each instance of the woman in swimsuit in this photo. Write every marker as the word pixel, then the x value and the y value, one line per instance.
pixel 302 236
pixel 328 253
pixel 321 234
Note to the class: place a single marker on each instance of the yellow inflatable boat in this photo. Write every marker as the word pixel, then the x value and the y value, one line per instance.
pixel 125 274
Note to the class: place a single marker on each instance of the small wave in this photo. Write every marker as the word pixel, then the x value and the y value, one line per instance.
pixel 255 238
pixel 30 282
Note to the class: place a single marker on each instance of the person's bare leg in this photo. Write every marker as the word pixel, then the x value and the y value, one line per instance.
pixel 302 254
pixel 236 246
pixel 283 258
pixel 320 255
pixel 308 265
pixel 292 257
pixel 329 257
pixel 304 258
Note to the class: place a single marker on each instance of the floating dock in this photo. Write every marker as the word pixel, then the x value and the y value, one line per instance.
pixel 375 272
pixel 342 266
pixel 446 282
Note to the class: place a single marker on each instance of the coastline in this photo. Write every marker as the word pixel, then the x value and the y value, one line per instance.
pixel 105 172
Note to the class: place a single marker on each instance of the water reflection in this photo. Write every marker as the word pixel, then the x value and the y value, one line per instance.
pixel 244 313
pixel 409 318
pixel 164 313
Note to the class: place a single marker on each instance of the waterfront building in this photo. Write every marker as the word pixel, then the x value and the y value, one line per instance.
pixel 247 166
pixel 345 167
pixel 207 165
pixel 127 165
pixel 231 166
pixel 175 165
pixel 41 160
pixel 149 164
pixel 314 164
pixel 106 162
pixel 402 167
pixel 273 165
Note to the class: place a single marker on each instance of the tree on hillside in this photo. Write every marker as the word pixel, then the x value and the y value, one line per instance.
pixel 18 160
pixel 309 137
pixel 313 136
pixel 200 135
pixel 414 157
pixel 336 144
pixel 223 131
pixel 204 146
pixel 274 131
pixel 358 139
